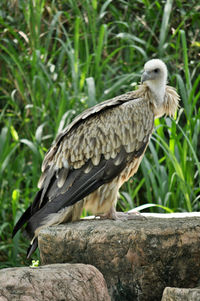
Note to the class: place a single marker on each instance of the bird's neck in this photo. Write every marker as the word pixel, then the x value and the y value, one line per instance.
pixel 158 91
pixel 158 98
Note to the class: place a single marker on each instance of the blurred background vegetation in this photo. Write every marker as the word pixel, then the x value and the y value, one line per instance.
pixel 59 57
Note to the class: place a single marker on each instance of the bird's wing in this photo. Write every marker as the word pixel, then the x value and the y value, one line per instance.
pixel 99 108
pixel 90 154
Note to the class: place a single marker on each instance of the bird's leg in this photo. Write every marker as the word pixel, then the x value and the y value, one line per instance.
pixel 113 214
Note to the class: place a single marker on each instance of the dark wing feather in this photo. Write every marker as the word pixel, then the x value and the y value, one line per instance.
pixel 82 186
pixel 27 214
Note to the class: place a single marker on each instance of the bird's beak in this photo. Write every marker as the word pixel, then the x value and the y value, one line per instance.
pixel 145 76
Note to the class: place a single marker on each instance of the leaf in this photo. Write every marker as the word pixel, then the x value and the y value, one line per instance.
pixel 39 132
pixel 91 91
pixel 145 206
pixel 14 133
pixel 30 145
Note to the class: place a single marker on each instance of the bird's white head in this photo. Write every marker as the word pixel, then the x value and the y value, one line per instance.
pixel 155 76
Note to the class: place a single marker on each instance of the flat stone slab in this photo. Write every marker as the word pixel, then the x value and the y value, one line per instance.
pixel 57 282
pixel 137 258
pixel 181 294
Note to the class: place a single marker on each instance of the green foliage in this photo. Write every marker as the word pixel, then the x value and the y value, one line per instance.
pixel 60 57
pixel 35 264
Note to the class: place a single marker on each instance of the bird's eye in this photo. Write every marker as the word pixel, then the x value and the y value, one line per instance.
pixel 156 70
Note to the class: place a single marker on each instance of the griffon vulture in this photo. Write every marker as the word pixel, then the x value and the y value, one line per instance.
pixel 96 153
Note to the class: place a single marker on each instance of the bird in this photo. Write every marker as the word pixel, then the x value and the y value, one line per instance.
pixel 96 153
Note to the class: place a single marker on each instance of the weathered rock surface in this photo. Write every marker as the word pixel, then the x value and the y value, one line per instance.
pixel 137 258
pixel 57 282
pixel 181 294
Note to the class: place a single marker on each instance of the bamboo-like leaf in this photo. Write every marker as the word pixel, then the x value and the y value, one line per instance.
pixel 165 25
pixel 145 206
pixel 185 56
pixel 30 145
pixel 91 91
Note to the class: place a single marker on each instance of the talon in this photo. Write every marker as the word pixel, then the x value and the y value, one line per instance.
pixel 129 215
pixel 114 215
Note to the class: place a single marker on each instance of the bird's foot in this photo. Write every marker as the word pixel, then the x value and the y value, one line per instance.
pixel 114 215
pixel 129 215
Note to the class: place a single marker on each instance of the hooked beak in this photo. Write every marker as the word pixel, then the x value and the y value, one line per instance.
pixel 145 76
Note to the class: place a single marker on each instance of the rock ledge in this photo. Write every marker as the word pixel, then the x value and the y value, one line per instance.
pixel 181 294
pixel 137 258
pixel 63 282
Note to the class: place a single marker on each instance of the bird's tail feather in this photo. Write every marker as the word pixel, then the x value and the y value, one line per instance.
pixel 23 219
pixel 32 248
pixel 25 216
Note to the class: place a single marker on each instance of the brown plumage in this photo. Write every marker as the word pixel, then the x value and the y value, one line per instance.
pixel 100 150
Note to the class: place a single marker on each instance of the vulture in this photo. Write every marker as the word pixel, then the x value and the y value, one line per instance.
pixel 96 153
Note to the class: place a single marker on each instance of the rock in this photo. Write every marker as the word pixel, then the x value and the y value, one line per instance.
pixel 59 282
pixel 138 258
pixel 181 294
